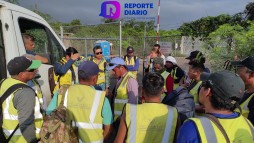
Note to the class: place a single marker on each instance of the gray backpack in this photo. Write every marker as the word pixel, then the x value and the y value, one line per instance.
pixel 183 101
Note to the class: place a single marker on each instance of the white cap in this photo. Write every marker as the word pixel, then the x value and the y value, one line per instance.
pixel 171 59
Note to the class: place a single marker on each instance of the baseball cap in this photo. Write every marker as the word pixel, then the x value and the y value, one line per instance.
pixel 130 49
pixel 20 64
pixel 194 54
pixel 89 67
pixel 247 62
pixel 115 62
pixel 172 60
pixel 225 84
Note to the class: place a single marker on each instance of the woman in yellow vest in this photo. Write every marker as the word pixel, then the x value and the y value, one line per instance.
pixel 151 121
pixel 103 78
pixel 220 94
pixel 65 68
pixel 17 109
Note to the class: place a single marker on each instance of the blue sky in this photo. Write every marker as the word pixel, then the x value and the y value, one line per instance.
pixel 173 12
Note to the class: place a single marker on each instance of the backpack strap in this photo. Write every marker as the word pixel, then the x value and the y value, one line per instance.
pixel 218 124
pixel 6 94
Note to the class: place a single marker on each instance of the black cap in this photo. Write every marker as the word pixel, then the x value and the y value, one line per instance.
pixel 194 55
pixel 248 62
pixel 227 85
pixel 20 64
pixel 130 49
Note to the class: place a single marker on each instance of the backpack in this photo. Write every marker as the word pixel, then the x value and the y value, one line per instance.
pixel 56 127
pixel 182 100
pixel 4 96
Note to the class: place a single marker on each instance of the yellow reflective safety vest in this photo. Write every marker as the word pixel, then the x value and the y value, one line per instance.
pixel 173 74
pixel 164 74
pixel 84 105
pixel 101 77
pixel 131 62
pixel 244 106
pixel 194 92
pixel 239 130
pixel 66 78
pixel 121 95
pixel 150 122
pixel 10 114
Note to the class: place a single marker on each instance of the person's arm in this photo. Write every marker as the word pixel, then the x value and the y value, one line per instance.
pixel 134 67
pixel 251 111
pixel 122 131
pixel 132 91
pixel 42 59
pixel 25 109
pixel 62 69
pixel 188 133
pixel 107 119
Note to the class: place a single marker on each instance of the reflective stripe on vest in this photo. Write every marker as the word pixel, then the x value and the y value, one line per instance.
pixel 18 132
pixel 99 141
pixel 159 126
pixel 236 128
pixel 133 128
pixel 121 97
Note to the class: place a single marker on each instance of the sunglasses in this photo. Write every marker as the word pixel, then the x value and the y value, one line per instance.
pixel 99 53
pixel 31 70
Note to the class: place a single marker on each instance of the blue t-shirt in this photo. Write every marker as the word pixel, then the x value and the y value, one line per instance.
pixel 188 132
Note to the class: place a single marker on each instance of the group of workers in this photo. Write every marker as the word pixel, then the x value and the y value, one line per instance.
pixel 224 100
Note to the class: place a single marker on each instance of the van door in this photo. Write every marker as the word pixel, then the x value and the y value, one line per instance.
pixel 47 44
pixel 3 71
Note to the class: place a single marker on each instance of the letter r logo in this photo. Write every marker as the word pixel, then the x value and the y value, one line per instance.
pixel 110 9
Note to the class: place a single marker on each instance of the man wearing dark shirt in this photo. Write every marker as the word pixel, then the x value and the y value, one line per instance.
pixel 245 69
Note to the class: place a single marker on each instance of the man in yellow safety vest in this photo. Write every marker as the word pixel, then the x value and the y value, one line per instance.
pixel 151 121
pixel 220 94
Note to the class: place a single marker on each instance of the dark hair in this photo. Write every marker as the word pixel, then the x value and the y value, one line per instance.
pixel 153 84
pixel 82 75
pixel 219 103
pixel 157 52
pixel 28 37
pixel 157 45
pixel 70 50
pixel 198 66
pixel 96 48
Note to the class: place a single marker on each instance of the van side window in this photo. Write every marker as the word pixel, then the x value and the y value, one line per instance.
pixel 3 73
pixel 45 44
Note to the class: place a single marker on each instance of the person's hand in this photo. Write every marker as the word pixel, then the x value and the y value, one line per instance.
pixel 75 56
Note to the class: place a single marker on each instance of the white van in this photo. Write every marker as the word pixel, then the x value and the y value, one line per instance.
pixel 15 20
